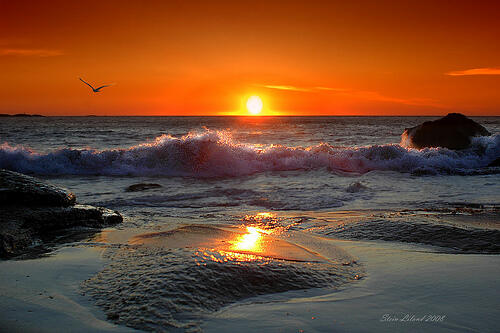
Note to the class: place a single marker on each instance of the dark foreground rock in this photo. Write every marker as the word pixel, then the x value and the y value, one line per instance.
pixel 495 163
pixel 453 132
pixel 19 189
pixel 142 187
pixel 32 211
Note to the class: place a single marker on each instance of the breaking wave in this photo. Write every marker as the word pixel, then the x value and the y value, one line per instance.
pixel 216 154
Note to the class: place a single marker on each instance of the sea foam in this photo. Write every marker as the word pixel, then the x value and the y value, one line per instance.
pixel 216 154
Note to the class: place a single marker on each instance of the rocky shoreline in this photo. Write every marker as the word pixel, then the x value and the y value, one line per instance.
pixel 32 211
pixel 454 131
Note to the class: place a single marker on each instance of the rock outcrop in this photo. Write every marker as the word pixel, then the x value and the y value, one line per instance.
pixel 495 163
pixel 32 210
pixel 453 132
pixel 20 190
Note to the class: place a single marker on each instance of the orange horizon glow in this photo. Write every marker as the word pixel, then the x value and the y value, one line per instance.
pixel 198 58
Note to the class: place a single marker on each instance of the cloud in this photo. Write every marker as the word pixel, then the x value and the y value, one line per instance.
pixel 375 96
pixel 330 89
pixel 360 94
pixel 290 88
pixel 301 89
pixel 476 71
pixel 30 52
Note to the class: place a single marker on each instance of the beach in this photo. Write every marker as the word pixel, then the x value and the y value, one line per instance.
pixel 401 281
pixel 279 224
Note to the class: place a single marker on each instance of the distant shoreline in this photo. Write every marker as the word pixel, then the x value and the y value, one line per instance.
pixel 21 115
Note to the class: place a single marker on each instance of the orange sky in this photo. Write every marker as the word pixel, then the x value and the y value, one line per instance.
pixel 205 57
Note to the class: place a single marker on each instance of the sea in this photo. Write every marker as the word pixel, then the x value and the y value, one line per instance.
pixel 236 208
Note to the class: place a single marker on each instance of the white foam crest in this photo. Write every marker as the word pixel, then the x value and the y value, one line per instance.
pixel 216 154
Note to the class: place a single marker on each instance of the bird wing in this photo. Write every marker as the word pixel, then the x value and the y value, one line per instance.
pixel 86 83
pixel 107 85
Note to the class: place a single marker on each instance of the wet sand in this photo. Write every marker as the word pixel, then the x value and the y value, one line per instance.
pixel 43 295
pixel 403 283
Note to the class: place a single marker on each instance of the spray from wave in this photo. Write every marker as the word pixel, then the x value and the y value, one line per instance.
pixel 216 154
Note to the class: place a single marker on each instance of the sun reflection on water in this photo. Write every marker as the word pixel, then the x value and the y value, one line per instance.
pixel 265 215
pixel 252 245
pixel 251 241
pixel 222 256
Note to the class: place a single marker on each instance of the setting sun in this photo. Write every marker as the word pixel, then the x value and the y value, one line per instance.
pixel 254 105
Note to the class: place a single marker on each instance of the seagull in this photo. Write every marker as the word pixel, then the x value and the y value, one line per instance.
pixel 95 89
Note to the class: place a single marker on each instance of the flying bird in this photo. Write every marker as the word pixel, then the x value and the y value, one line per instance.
pixel 95 89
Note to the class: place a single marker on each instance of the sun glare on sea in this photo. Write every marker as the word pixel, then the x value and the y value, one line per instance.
pixel 254 105
pixel 251 241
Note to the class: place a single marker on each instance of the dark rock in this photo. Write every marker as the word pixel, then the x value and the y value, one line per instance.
pixel 21 227
pixel 19 189
pixel 31 211
pixel 453 132
pixel 495 163
pixel 141 187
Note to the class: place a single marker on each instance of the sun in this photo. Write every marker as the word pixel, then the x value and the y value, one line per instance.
pixel 254 105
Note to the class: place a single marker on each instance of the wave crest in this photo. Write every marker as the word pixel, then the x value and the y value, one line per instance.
pixel 216 154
